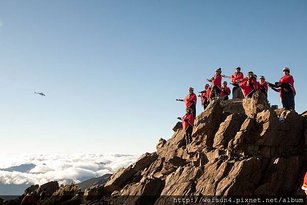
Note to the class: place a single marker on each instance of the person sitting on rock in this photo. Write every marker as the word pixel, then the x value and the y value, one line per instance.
pixel 235 81
pixel 249 85
pixel 187 125
pixel 190 101
pixel 204 96
pixel 285 86
pixel 216 81
pixel 304 186
pixel 263 86
pixel 225 91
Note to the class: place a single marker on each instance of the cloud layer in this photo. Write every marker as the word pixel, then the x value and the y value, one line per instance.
pixel 62 168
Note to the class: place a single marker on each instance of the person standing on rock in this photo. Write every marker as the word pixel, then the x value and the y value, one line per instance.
pixel 263 86
pixel 203 96
pixel 187 125
pixel 249 85
pixel 304 186
pixel 235 81
pixel 216 81
pixel 190 101
pixel 285 86
pixel 225 91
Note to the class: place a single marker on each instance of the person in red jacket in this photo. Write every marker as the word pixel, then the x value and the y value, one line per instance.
pixel 285 86
pixel 256 83
pixel 225 91
pixel 263 86
pixel 204 96
pixel 190 101
pixel 235 81
pixel 208 94
pixel 304 186
pixel 187 125
pixel 248 85
pixel 216 83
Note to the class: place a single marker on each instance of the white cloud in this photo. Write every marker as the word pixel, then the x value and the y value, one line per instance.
pixel 62 168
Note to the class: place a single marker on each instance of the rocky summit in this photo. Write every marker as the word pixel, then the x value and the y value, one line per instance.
pixel 239 148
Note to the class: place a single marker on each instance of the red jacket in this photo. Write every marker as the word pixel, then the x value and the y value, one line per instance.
pixel 256 85
pixel 190 99
pixel 203 97
pixel 208 93
pixel 263 86
pixel 248 88
pixel 288 79
pixel 236 77
pixel 217 81
pixel 225 91
pixel 187 120
pixel 304 187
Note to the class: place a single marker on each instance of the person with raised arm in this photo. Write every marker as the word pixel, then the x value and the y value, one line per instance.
pixel 235 81
pixel 285 86
pixel 190 101
pixel 216 83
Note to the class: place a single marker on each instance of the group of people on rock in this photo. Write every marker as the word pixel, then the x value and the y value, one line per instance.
pixel 243 87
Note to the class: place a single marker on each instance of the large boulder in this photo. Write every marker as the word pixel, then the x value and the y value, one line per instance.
pixel 49 188
pixel 124 175
pixel 257 103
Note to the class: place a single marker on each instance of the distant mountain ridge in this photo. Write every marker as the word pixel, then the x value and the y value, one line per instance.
pixel 23 168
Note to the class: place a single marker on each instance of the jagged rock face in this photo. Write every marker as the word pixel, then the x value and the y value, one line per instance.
pixel 49 188
pixel 239 148
pixel 133 172
pixel 257 103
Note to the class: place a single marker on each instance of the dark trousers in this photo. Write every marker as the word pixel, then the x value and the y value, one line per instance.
pixel 287 100
pixel 237 92
pixel 215 92
pixel 206 103
pixel 188 135
pixel 264 92
pixel 251 94
pixel 226 97
pixel 193 107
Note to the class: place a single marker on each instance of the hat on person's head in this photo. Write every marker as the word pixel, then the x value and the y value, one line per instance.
pixel 218 70
pixel 286 69
pixel 262 77
pixel 225 82
pixel 304 187
pixel 190 88
pixel 238 68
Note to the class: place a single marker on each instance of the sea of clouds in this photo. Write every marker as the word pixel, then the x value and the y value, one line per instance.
pixel 64 168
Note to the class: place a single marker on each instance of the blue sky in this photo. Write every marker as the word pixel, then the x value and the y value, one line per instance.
pixel 112 70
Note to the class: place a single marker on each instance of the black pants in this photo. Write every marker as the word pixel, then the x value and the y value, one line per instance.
pixel 237 92
pixel 251 94
pixel 188 135
pixel 215 92
pixel 206 103
pixel 287 100
pixel 193 107
pixel 264 92
pixel 226 97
